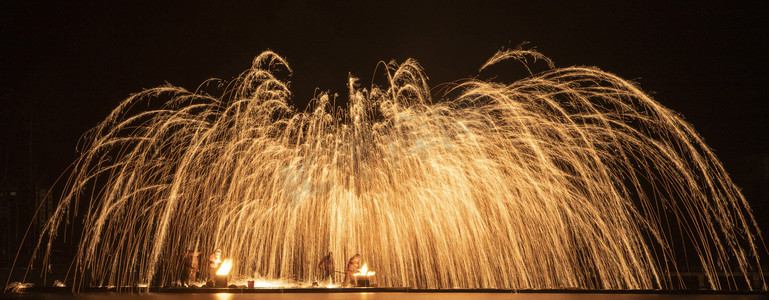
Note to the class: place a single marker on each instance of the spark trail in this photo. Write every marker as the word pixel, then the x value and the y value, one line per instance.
pixel 570 177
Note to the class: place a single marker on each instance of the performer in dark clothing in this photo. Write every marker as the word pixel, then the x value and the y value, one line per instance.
pixel 352 267
pixel 190 268
pixel 326 266
pixel 214 262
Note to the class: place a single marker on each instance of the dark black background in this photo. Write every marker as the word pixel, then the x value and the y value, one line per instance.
pixel 66 66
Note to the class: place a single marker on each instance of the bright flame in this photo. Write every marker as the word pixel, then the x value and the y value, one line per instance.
pixel 270 283
pixel 364 271
pixel 225 268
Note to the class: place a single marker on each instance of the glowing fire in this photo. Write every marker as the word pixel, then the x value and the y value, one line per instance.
pixel 364 271
pixel 225 268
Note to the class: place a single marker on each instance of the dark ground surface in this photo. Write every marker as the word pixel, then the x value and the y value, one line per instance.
pixel 369 296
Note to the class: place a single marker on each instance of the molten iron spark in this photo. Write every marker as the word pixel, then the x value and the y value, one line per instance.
pixel 572 177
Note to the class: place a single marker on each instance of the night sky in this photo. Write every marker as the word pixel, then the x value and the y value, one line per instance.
pixel 66 66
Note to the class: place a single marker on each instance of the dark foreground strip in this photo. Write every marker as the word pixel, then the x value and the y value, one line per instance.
pixel 382 290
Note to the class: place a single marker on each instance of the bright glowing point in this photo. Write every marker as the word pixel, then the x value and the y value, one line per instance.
pixel 364 271
pixel 224 269
pixel 570 177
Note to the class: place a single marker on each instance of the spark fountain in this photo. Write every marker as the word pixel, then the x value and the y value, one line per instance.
pixel 566 178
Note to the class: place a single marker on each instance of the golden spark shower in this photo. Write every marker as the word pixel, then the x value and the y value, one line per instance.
pixel 569 177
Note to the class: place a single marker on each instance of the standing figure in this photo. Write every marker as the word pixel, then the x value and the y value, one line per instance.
pixel 214 262
pixel 326 266
pixel 190 268
pixel 352 268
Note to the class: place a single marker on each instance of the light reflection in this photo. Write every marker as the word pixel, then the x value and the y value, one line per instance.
pixel 223 296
